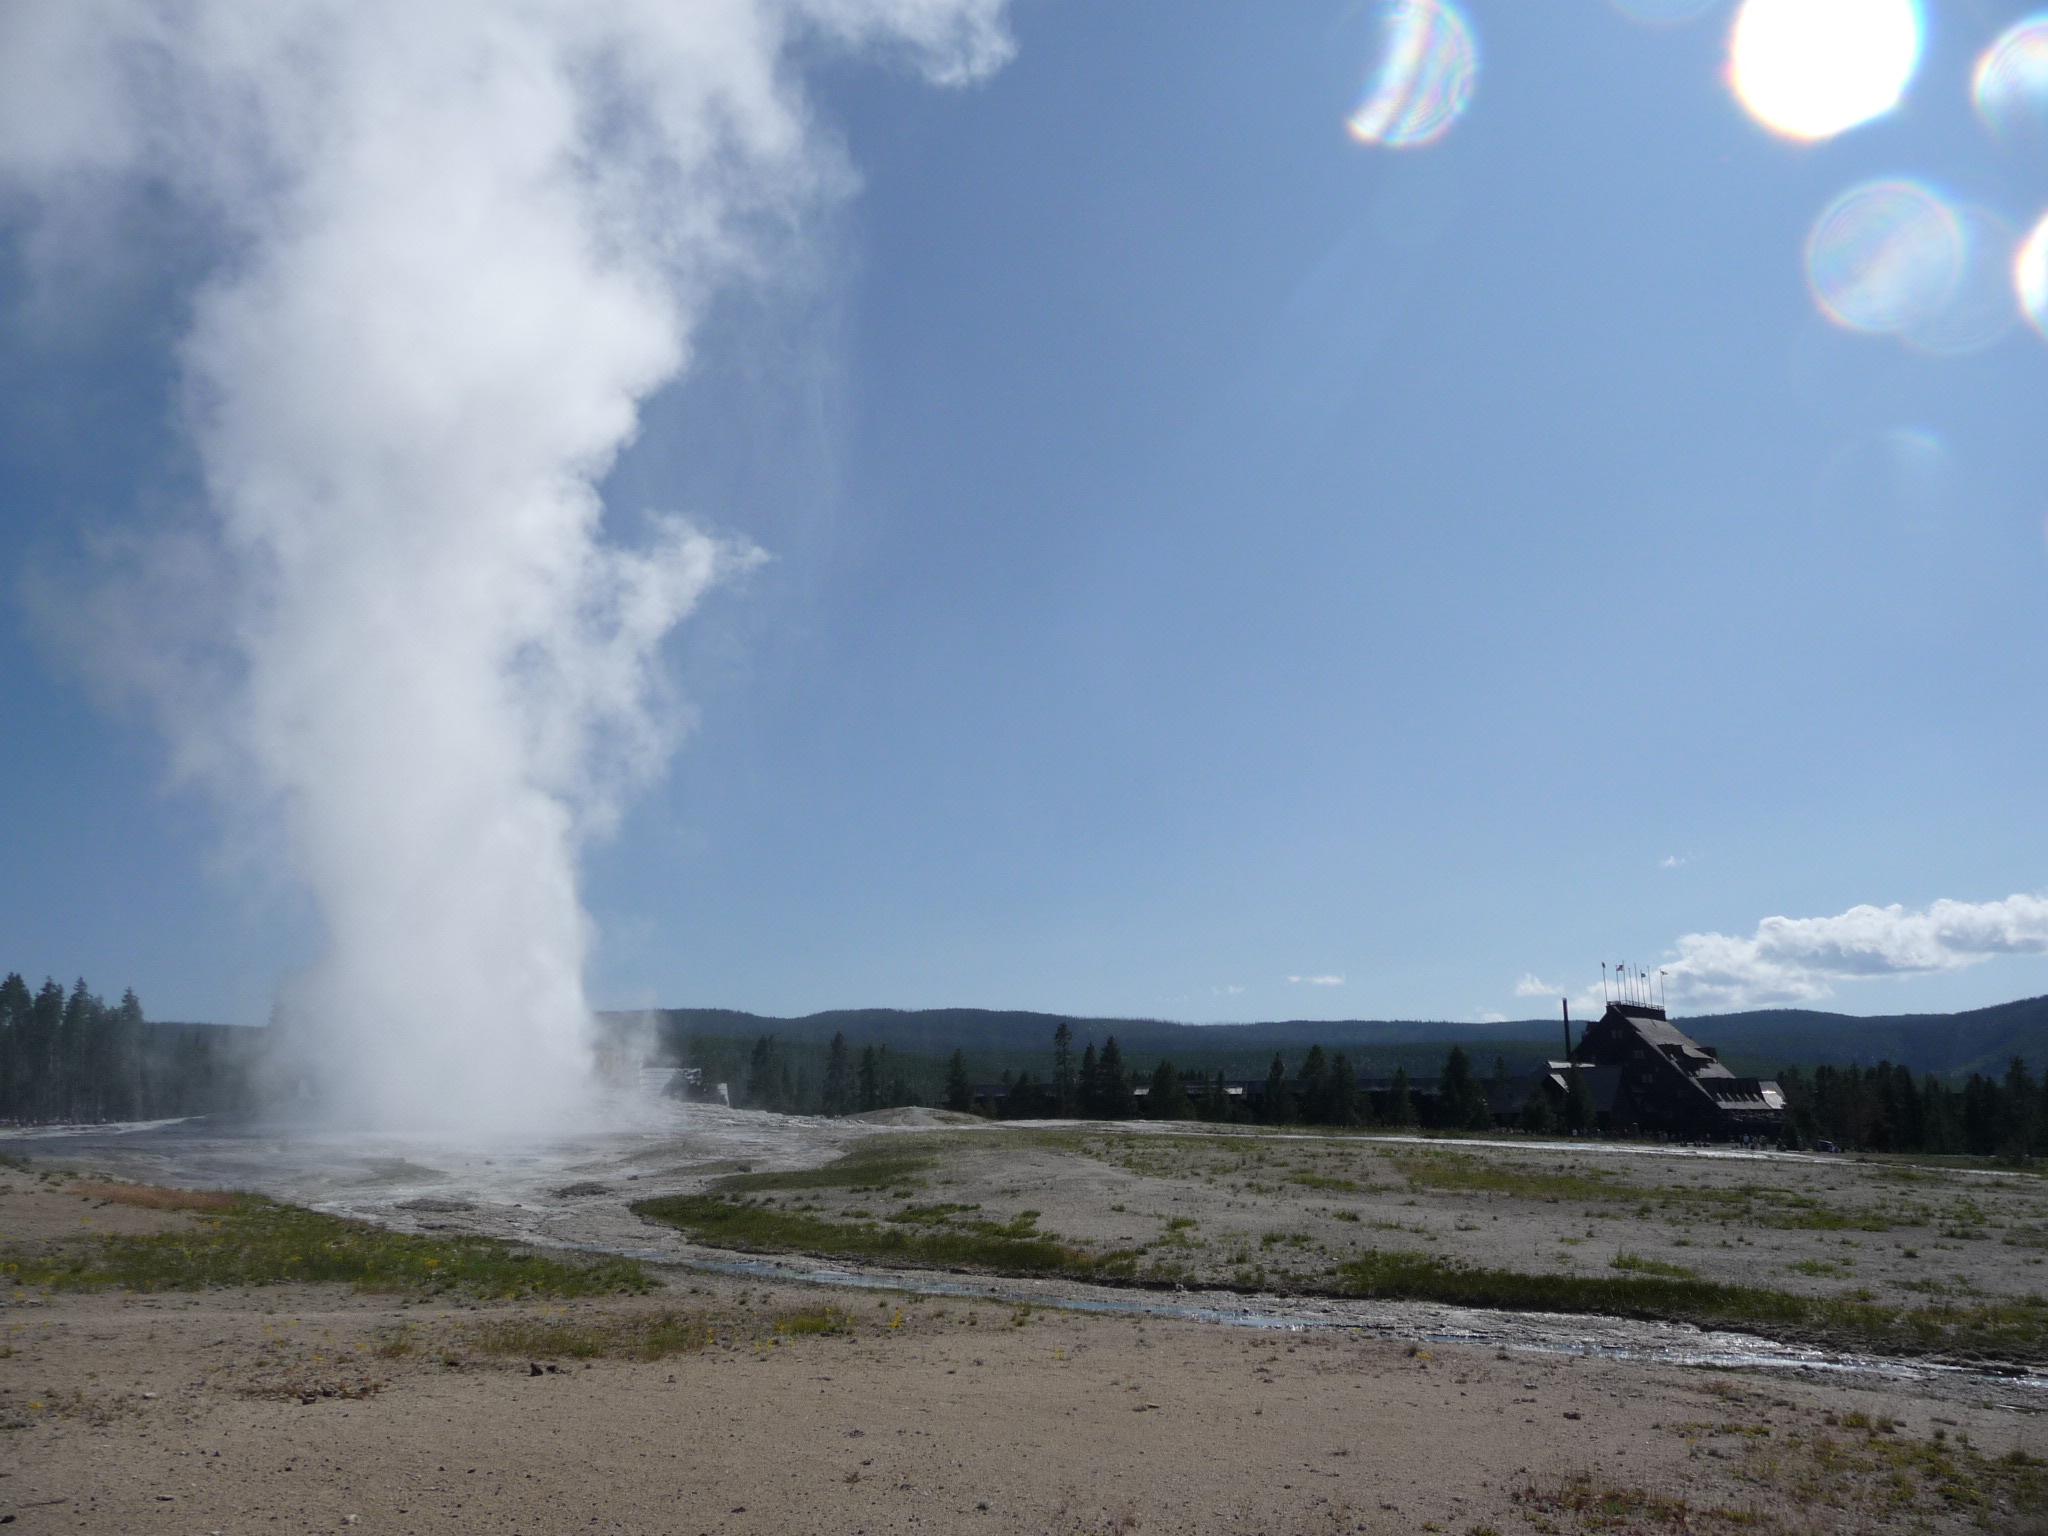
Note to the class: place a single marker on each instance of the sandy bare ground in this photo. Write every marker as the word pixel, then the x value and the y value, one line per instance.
pixel 202 1414
pixel 299 1408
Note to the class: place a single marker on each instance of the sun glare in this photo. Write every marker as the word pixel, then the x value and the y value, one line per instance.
pixel 1422 81
pixel 2030 276
pixel 2010 85
pixel 1810 69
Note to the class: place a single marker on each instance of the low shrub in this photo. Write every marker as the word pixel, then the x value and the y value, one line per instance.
pixel 2006 1330
pixel 254 1241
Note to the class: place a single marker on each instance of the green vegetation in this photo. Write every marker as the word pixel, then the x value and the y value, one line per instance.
pixel 1764 1204
pixel 1879 1475
pixel 1635 1263
pixel 260 1242
pixel 880 1162
pixel 2009 1330
pixel 1467 1174
pixel 920 1236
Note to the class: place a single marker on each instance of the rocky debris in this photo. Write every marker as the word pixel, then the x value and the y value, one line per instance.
pixel 434 1205
pixel 577 1191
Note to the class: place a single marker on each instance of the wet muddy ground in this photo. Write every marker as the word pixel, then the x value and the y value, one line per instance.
pixel 1245 1225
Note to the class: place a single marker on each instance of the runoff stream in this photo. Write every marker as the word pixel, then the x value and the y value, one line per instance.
pixel 574 1192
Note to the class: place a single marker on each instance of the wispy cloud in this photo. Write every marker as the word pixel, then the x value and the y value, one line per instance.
pixel 1317 981
pixel 1532 985
pixel 1674 861
pixel 1799 959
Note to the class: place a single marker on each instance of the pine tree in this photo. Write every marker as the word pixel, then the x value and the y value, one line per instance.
pixel 1315 1084
pixel 838 1076
pixel 959 1089
pixel 16 1002
pixel 870 1080
pixel 1400 1102
pixel 41 1063
pixel 1979 1117
pixel 1461 1102
pixel 1089 1089
pixel 1112 1085
pixel 1169 1097
pixel 1063 1070
pixel 763 1087
pixel 1217 1105
pixel 125 1101
pixel 1343 1097
pixel 1277 1108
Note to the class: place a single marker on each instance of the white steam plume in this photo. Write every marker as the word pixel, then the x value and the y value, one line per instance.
pixel 460 243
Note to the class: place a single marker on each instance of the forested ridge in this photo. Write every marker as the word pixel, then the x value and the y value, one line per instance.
pixel 1884 1108
pixel 67 1055
pixel 1949 1045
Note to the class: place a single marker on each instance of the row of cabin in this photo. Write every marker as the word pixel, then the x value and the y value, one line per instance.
pixel 1645 1076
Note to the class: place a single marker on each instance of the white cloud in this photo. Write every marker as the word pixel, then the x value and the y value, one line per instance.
pixel 1230 991
pixel 1493 1018
pixel 1532 985
pixel 1674 861
pixel 1317 981
pixel 1798 959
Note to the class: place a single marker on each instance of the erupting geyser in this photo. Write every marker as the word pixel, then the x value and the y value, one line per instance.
pixel 457 245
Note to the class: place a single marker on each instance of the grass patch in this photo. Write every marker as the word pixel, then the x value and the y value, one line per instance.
pixel 2010 1330
pixel 254 1241
pixel 1635 1263
pixel 931 1215
pixel 880 1162
pixel 1014 1246
pixel 1593 1505
pixel 1462 1172
pixel 1878 1476
pixel 1825 1268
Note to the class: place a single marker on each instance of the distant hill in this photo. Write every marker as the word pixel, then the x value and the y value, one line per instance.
pixel 1981 1040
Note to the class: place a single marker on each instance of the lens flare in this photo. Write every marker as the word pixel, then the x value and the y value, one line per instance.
pixel 1979 310
pixel 1665 13
pixel 1809 69
pixel 2011 82
pixel 1886 257
pixel 1423 82
pixel 2030 276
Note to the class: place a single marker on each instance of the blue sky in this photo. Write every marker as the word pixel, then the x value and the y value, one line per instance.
pixel 1206 550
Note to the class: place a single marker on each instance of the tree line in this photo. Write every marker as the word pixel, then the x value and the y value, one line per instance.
pixel 1098 1084
pixel 1325 1089
pixel 71 1056
pixel 795 1078
pixel 1886 1109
